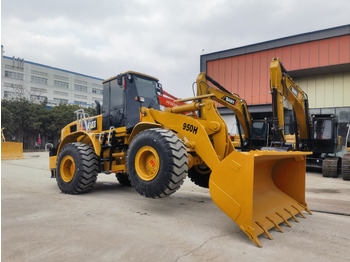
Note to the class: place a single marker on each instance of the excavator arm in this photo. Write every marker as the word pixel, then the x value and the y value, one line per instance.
pixel 283 87
pixel 230 100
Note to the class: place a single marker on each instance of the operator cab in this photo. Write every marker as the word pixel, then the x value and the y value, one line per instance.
pixel 124 95
pixel 259 133
pixel 324 133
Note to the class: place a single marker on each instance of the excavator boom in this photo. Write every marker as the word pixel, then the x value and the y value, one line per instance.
pixel 283 87
pixel 230 100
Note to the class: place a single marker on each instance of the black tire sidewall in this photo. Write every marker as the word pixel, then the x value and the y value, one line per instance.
pixel 139 142
pixel 199 177
pixel 72 186
pixel 158 185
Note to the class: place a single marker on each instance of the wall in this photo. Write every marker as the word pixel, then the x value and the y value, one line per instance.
pixel 332 90
pixel 248 74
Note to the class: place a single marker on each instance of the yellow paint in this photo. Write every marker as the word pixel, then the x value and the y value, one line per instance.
pixel 67 168
pixel 259 189
pixel 147 163
pixel 11 150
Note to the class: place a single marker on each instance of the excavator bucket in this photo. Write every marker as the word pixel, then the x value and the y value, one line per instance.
pixel 260 189
pixel 11 150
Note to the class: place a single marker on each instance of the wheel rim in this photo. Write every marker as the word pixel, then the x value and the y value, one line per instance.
pixel 147 163
pixel 202 169
pixel 67 168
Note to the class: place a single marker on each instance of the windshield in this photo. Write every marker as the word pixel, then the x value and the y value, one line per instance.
pixel 323 129
pixel 145 87
pixel 259 130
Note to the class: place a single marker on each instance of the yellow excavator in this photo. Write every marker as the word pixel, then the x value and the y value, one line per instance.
pixel 316 133
pixel 10 150
pixel 254 131
pixel 152 150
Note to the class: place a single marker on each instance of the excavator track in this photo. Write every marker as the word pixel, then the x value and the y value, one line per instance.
pixel 346 167
pixel 331 167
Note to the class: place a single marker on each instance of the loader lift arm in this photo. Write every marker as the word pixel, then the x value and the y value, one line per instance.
pixel 230 100
pixel 283 87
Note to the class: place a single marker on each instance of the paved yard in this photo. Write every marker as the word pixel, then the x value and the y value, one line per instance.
pixel 114 223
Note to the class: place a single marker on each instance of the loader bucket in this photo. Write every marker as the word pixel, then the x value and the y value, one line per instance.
pixel 11 150
pixel 260 189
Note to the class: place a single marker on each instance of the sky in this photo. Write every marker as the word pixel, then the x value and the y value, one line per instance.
pixel 162 38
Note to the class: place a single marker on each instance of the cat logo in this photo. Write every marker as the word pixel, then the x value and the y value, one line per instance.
pixel 92 124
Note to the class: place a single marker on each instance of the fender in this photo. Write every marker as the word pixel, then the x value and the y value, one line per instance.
pixel 80 136
pixel 84 137
pixel 140 127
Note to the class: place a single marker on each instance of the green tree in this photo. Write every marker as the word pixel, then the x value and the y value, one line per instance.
pixel 7 123
pixel 24 120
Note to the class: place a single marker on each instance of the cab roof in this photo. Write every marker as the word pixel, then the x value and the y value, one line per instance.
pixel 132 73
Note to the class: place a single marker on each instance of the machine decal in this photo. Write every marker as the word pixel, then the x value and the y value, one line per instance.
pixel 229 100
pixel 190 128
pixel 92 125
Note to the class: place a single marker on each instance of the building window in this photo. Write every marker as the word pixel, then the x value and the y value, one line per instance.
pixel 14 75
pixel 38 99
pixel 80 103
pixel 9 94
pixel 80 88
pixel 61 84
pixel 97 91
pixel 61 101
pixel 39 80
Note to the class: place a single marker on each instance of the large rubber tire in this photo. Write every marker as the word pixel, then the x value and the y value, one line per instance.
pixel 346 167
pixel 123 179
pixel 156 163
pixel 77 168
pixel 331 166
pixel 200 175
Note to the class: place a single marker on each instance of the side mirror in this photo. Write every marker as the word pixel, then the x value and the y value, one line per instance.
pixel 159 89
pixel 119 80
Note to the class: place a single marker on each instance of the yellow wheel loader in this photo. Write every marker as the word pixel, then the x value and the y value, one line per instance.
pixel 10 150
pixel 153 150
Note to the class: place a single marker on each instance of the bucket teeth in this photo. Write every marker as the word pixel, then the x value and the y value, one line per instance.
pixel 305 208
pixel 265 231
pixel 284 220
pixel 290 213
pixel 275 224
pixel 300 213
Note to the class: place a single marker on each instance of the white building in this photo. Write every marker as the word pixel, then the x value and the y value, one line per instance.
pixel 37 82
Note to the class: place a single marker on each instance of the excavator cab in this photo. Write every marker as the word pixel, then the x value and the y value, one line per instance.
pixel 124 95
pixel 325 133
pixel 260 129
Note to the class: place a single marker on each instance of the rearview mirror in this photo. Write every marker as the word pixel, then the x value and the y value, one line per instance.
pixel 159 89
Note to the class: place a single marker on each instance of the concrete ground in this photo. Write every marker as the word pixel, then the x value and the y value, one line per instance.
pixel 114 223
